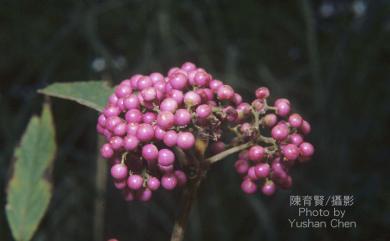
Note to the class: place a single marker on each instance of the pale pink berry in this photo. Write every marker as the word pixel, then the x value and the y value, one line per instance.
pixel 248 186
pixel 169 181
pixel 106 151
pixel 225 92
pixel 165 119
pixel 169 104
pixel 182 117
pixel 135 182
pixel 170 138
pixel 241 166
pixel 150 152
pixel 256 153
pixel 153 183
pixel 279 132
pixel 185 140
pixel 203 111
pixel 306 149
pixel 166 157
pixel 262 93
pixel 268 188
pixel 295 120
pixel 119 171
pixel 181 178
pixel 262 170
pixel 191 98
pixel 130 143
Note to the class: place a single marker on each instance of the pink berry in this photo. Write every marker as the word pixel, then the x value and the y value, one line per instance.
pixel 120 184
pixel 149 94
pixel 182 117
pixel 111 111
pixel 177 95
pixel 106 151
pixel 295 139
pixel 123 91
pixel 291 152
pixel 188 66
pixel 113 99
pixel 178 81
pixel 129 195
pixel 256 153
pixel 156 77
pixel 166 157
pixel 169 104
pixel 149 117
pixel 279 132
pixel 185 140
pixel 277 101
pixel 131 102
pixel 215 84
pixel 150 152
pixel 252 174
pixel 181 178
pixel 169 181
pixel 295 120
pixel 203 111
pixel 130 143
pixel 270 120
pixel 120 129
pixel 135 182
pixel 217 147
pixel 262 93
pixel 225 92
pixel 133 116
pixel 119 171
pixel 237 99
pixel 144 82
pixel 262 170
pixel 145 132
pixel 191 98
pixel 170 138
pixel 165 119
pixel 116 142
pixel 159 133
pixel 153 183
pixel 268 188
pixel 306 149
pixel 132 129
pixel 166 169
pixel 113 121
pixel 282 108
pixel 305 127
pixel 144 195
pixel 241 166
pixel 248 186
pixel 201 78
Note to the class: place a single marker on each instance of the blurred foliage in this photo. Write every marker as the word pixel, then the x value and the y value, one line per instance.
pixel 29 189
pixel 330 57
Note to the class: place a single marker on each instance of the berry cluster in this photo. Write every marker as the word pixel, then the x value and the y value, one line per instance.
pixel 269 159
pixel 153 125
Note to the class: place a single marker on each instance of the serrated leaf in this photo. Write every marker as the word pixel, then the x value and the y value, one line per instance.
pixel 93 94
pixel 29 190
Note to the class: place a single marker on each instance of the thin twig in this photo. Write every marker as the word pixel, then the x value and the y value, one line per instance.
pixel 228 152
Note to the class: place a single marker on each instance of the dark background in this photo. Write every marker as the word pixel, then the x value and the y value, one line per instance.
pixel 331 58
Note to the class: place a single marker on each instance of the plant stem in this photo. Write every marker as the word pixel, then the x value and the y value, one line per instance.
pixel 228 152
pixel 188 197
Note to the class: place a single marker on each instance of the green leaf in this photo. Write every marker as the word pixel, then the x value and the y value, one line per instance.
pixel 93 94
pixel 29 190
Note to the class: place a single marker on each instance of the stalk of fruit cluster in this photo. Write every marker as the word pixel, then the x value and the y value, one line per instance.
pixel 188 197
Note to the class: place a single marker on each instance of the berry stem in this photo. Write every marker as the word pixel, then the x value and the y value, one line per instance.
pixel 228 152
pixel 188 197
